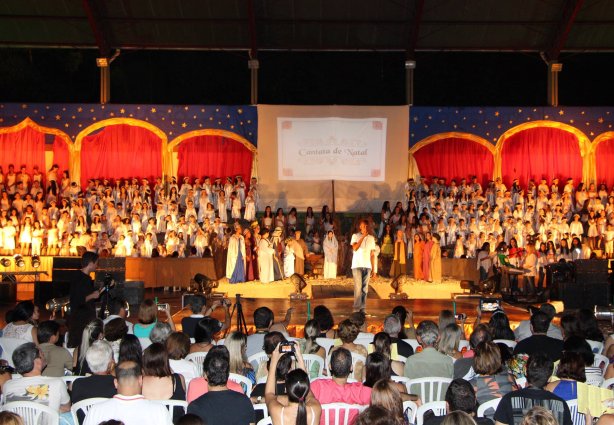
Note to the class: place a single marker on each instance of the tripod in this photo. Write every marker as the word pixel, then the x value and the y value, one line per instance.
pixel 238 308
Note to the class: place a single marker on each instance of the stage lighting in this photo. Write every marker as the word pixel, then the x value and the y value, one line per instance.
pixel 36 261
pixel 102 62
pixel 5 262
pixel 19 262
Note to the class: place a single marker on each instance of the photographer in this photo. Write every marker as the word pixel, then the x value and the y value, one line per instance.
pixel 82 290
pixel 198 306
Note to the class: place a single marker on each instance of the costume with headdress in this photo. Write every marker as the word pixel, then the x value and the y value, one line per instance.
pixel 331 250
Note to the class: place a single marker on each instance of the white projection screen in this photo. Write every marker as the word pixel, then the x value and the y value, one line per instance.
pixel 331 148
pixel 364 191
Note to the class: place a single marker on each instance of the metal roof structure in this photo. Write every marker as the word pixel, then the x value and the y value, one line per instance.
pixel 547 26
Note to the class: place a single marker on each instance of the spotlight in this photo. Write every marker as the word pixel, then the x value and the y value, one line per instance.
pixel 604 313
pixel 19 262
pixel 36 261
pixel 5 262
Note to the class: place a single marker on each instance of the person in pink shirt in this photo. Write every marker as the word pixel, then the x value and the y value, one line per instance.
pixel 200 386
pixel 337 389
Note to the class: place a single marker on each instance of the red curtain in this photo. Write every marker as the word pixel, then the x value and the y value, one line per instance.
pixel 60 155
pixel 455 158
pixel 541 152
pixel 214 156
pixel 24 147
pixel 121 151
pixel 604 158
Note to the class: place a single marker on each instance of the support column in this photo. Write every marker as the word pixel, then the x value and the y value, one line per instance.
pixel 553 82
pixel 253 65
pixel 410 66
pixel 105 79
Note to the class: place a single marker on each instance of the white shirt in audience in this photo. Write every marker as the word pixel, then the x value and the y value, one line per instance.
pixel 45 390
pixel 131 410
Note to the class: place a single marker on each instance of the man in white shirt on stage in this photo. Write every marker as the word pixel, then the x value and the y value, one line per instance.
pixel 363 245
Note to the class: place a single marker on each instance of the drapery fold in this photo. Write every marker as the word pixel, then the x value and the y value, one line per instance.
pixel 23 147
pixel 61 154
pixel 213 156
pixel 604 162
pixel 541 152
pixel 455 158
pixel 121 151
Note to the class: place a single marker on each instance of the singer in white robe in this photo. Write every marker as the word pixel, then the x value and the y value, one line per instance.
pixel 236 252
pixel 265 259
pixel 331 248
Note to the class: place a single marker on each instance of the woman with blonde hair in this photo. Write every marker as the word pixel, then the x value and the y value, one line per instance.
pixel 10 418
pixel 492 379
pixel 458 417
pixel 450 339
pixel 237 348
pixel 538 415
pixel 385 394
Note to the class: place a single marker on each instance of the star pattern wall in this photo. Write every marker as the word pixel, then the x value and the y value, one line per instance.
pixel 491 122
pixel 174 120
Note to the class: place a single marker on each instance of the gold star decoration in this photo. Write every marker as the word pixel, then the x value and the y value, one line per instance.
pixel 561 112
pixel 600 120
pixel 122 111
pixel 79 109
pixel 153 110
pixel 186 108
pixel 57 117
pixel 496 113
pixel 183 125
pixel 240 111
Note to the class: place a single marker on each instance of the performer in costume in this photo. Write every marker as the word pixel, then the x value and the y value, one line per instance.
pixel 399 256
pixel 331 249
pixel 418 252
pixel 265 257
pixel 235 261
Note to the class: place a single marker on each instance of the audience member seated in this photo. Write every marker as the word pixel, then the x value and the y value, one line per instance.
pixel 589 328
pixel 93 331
pixel 21 322
pixel 114 332
pixel 492 379
pixel 310 346
pixel 200 386
pixel 198 307
pixel 178 347
pixel 284 365
pixel 382 343
pixel 539 415
pixel 513 405
pixel 324 317
pixel 460 397
pixel 59 360
pixel 360 319
pixel 577 344
pixel 499 326
pixel 298 404
pixel 100 383
pixel 206 328
pixel 159 382
pixel 264 321
pixel 130 349
pixel 29 362
pixel 271 340
pixel 117 309
pixel 348 332
pixel 449 341
pixel 429 362
pixel 569 372
pixel 160 332
pixel 337 389
pixel 386 394
pixel 404 315
pixel 377 415
pixel 148 317
pixel 463 368
pixel 392 326
pixel 523 330
pixel 220 405
pixel 539 341
pixel 378 368
pixel 10 418
pixel 129 406
pixel 236 343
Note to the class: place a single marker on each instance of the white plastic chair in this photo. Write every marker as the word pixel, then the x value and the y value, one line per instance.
pixel 607 383
pixel 9 345
pixel 490 404
pixel 339 413
pixel 310 359
pixel 262 406
pixel 365 342
pixel 355 359
pixel 599 361
pixel 325 343
pixel 84 406
pixel 521 382
pixel 246 384
pixel 409 410
pixel 266 421
pixel 413 342
pixel 400 358
pixel 594 380
pixel 508 342
pixel 31 412
pixel 257 359
pixel 220 341
pixel 439 408
pixel 432 388
pixel 145 342
pixel 71 378
pixel 198 359
pixel 596 346
pixel 262 379
pixel 576 417
pixel 463 343
pixel 402 380
pixel 171 404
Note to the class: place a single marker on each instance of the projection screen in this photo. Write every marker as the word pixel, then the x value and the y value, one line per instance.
pixel 354 193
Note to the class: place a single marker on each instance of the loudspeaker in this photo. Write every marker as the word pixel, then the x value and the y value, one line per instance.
pixel 571 294
pixel 66 268
pixel 596 294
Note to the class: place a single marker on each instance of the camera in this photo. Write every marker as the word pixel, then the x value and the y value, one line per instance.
pixel 287 347
pixel 163 306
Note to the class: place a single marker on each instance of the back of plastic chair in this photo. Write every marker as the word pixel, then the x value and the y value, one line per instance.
pixel 310 359
pixel 145 342
pixel 596 346
pixel 256 359
pixel 339 413
pixel 463 343
pixel 430 389
pixel 402 380
pixel 601 362
pixel 594 380
pixel 171 404
pixel 413 342
pixel 487 409
pixel 84 406
pixel 576 417
pixel 198 359
pixel 262 406
pixel 521 382
pixel 266 421
pixel 33 413
pixel 325 343
pixel 246 384
pixel 508 342
pixel 409 410
pixel 9 345
pixel 439 408
pixel 607 383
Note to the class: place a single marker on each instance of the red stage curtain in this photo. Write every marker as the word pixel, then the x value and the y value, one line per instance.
pixel 604 158
pixel 24 147
pixel 121 151
pixel 214 156
pixel 60 155
pixel 455 158
pixel 542 151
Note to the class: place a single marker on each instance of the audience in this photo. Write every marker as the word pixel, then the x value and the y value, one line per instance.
pixel 429 362
pixel 523 330
pixel 539 341
pixel 492 379
pixel 460 397
pixel 59 360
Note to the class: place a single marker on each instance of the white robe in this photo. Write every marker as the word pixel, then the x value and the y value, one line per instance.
pixel 265 261
pixel 331 248
pixel 235 243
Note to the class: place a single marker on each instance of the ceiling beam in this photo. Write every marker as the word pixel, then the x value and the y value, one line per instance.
pixel 570 11
pixel 98 27
pixel 414 30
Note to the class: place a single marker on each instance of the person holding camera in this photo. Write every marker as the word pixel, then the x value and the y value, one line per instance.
pixel 148 317
pixel 82 291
